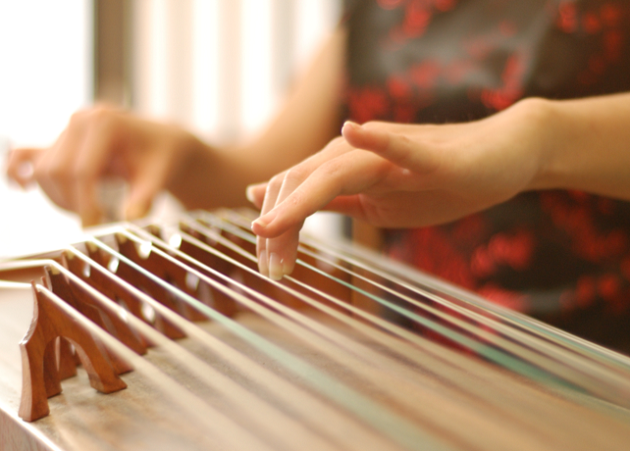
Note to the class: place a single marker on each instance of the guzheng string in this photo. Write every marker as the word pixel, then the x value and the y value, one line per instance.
pixel 592 351
pixel 10 285
pixel 215 238
pixel 402 390
pixel 189 405
pixel 308 407
pixel 511 318
pixel 362 258
pixel 615 390
pixel 331 263
pixel 287 433
pixel 558 363
pixel 394 426
pixel 274 423
pixel 524 412
pixel 418 394
pixel 476 346
pixel 478 410
pixel 520 329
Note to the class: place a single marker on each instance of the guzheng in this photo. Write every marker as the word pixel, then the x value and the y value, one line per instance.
pixel 165 337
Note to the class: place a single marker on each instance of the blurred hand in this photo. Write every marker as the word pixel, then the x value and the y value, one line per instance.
pixel 99 143
pixel 395 175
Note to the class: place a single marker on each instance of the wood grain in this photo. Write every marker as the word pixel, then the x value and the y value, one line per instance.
pixel 40 377
pixel 262 375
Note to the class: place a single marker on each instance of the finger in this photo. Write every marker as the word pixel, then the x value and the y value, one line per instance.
pixel 145 186
pixel 54 170
pixel 351 173
pixel 256 194
pixel 91 160
pixel 20 165
pixel 265 198
pixel 395 147
pixel 89 209
pixel 282 250
pixel 50 173
pixel 271 194
pixel 140 200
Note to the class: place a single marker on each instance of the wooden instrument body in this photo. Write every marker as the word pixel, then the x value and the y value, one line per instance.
pixel 317 374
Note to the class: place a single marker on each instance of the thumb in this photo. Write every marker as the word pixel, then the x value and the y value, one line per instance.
pixel 394 147
pixel 21 163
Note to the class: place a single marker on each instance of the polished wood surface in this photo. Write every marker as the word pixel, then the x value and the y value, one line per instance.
pixel 313 362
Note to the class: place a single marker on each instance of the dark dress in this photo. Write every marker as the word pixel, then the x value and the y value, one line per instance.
pixel 561 256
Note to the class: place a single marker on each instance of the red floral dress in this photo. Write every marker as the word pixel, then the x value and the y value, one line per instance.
pixel 561 256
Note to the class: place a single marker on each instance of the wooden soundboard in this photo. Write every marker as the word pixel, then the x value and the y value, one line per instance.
pixel 351 352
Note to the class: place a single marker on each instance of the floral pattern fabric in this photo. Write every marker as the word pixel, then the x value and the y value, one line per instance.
pixel 562 256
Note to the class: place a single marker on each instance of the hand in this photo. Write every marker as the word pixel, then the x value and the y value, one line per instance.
pixel 395 175
pixel 104 142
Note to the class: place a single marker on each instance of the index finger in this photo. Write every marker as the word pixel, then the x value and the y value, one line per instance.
pixel 350 173
pixel 90 164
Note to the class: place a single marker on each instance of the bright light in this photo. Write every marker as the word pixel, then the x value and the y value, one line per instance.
pixel 257 57
pixel 45 50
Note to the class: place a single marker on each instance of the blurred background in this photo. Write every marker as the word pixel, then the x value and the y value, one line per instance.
pixel 219 67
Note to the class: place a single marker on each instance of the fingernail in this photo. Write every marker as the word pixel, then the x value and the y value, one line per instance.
pixel 350 124
pixel 263 265
pixel 275 267
pixel 264 221
pixel 259 223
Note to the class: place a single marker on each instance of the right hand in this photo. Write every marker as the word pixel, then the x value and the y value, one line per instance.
pixel 104 142
pixel 406 175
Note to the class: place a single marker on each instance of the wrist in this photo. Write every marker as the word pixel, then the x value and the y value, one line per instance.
pixel 542 119
pixel 194 172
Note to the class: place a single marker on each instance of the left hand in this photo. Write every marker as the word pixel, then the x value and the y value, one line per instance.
pixel 102 142
pixel 397 175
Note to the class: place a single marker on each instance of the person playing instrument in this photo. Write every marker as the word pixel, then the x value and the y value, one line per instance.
pixel 480 123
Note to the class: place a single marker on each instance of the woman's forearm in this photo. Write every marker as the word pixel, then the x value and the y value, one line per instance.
pixel 587 146
pixel 305 124
pixel 395 175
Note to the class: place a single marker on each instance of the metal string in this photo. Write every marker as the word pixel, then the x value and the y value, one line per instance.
pixel 392 425
pixel 567 359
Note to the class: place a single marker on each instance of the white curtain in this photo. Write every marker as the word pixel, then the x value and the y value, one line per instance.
pixel 222 67
pixel 46 75
pixel 219 67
